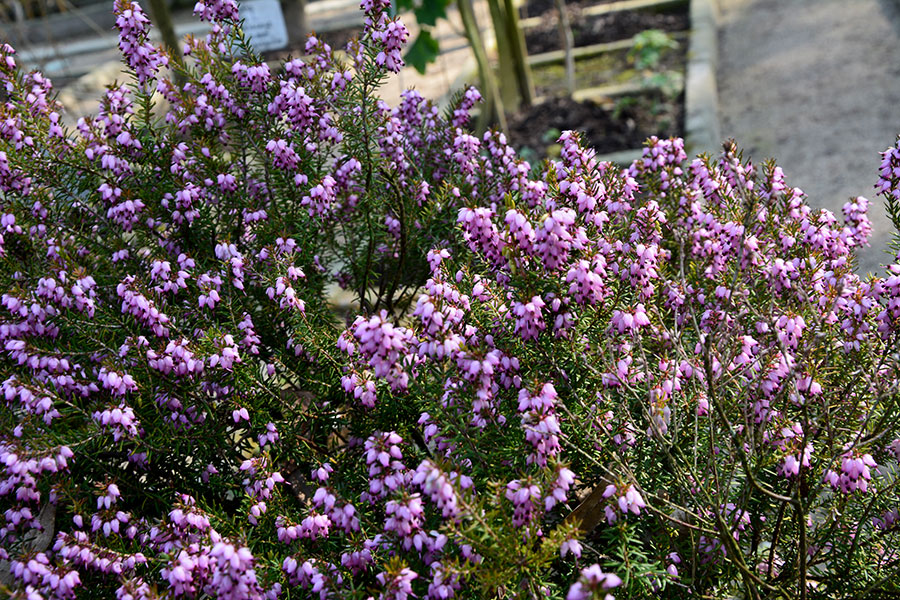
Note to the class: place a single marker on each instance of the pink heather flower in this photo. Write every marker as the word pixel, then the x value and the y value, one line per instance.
pixel 217 10
pixel 855 473
pixel 888 184
pixel 894 449
pixel 444 583
pixel 630 321
pixel 789 330
pixel 120 420
pixel 321 198
pixel 384 458
pixel 404 518
pixel 254 77
pixel 111 495
pixel 357 561
pixel 545 400
pixel 397 586
pixel 385 347
pixel 117 384
pixel 857 226
pixel 392 34
pixel 461 114
pixel 592 582
pixel 435 257
pixel 525 498
pixel 542 432
pixel 286 294
pixel 556 236
pixel 308 576
pixel 233 574
pixel 283 154
pixel 570 546
pixel 587 281
pixel 888 521
pixel 438 487
pixel 627 499
pixel 135 303
pixel 361 389
pixel 661 153
pixel 559 488
pixel 270 436
pixel 133 25
pixel 529 318
pixel 673 560
pixel 481 234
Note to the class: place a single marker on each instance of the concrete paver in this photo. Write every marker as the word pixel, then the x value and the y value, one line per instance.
pixel 816 85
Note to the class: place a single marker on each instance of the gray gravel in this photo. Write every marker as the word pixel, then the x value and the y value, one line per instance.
pixel 815 84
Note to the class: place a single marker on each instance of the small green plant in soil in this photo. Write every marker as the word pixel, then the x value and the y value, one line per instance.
pixel 670 83
pixel 623 104
pixel 551 135
pixel 613 68
pixel 648 48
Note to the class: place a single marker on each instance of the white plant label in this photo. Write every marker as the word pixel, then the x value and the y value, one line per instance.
pixel 264 24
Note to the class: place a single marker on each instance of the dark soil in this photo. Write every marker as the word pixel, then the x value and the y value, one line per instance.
pixel 622 125
pixel 534 8
pixel 600 29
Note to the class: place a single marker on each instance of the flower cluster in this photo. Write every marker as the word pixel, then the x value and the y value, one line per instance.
pixel 141 56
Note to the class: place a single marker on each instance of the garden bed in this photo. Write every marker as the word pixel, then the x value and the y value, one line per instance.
pixel 609 126
pixel 619 102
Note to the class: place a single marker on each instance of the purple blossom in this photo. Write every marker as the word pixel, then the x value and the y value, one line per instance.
pixel 626 498
pixel 142 57
pixel 593 581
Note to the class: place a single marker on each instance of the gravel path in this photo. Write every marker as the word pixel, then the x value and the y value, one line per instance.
pixel 814 84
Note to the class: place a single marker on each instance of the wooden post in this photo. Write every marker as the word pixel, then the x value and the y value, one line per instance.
pixel 493 108
pixel 568 42
pixel 295 19
pixel 162 18
pixel 519 52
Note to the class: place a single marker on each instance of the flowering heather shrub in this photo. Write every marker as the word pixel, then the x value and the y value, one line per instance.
pixel 576 382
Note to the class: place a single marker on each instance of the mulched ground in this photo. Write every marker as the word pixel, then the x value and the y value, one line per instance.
pixel 606 129
pixel 535 8
pixel 338 39
pixel 617 125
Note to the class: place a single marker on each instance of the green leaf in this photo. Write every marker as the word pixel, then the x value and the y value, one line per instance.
pixel 422 52
pixel 430 11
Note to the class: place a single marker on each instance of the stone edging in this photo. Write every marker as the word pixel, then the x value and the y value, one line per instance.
pixel 701 98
